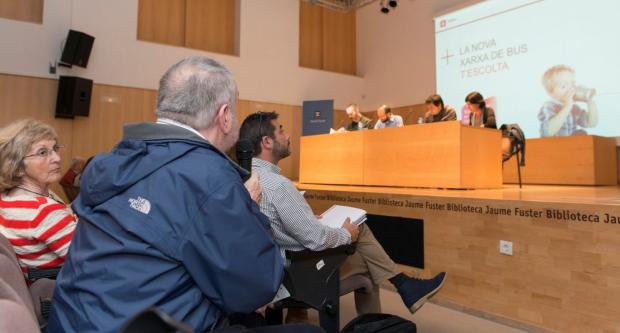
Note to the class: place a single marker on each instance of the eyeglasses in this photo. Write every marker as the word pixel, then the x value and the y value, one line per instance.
pixel 45 153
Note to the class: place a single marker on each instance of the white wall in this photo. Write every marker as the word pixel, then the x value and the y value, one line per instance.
pixel 266 70
pixel 396 52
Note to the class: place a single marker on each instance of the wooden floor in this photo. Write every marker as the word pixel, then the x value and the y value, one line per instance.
pixel 589 195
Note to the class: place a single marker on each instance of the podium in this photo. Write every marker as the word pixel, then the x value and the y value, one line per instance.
pixel 436 155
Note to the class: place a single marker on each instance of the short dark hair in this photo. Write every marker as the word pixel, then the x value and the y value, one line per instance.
pixel 476 98
pixel 435 100
pixel 255 127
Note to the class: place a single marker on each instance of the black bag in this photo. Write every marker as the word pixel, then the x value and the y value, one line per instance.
pixel 379 322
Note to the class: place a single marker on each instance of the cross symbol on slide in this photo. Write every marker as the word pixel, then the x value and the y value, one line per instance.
pixel 447 56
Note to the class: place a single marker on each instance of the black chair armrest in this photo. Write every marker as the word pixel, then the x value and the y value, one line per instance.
pixel 310 275
pixel 348 249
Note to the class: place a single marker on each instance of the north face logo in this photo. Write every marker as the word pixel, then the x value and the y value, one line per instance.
pixel 140 204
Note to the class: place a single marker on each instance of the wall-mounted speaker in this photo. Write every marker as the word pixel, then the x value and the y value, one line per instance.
pixel 77 49
pixel 73 97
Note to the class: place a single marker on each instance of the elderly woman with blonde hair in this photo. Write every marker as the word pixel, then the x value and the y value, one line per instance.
pixel 34 220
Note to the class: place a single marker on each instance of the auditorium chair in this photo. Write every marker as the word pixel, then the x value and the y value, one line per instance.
pixel 36 298
pixel 15 317
pixel 71 191
pixel 313 280
pixel 513 144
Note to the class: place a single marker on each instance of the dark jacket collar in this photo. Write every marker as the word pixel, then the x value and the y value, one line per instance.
pixel 165 132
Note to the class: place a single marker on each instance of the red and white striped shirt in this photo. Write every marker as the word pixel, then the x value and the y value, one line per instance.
pixel 39 228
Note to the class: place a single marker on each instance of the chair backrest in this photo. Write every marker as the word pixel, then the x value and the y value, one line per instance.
pixel 13 279
pixel 514 133
pixel 6 248
pixel 71 191
pixel 14 317
pixel 12 274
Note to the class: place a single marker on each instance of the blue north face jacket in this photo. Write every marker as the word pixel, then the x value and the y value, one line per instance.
pixel 164 220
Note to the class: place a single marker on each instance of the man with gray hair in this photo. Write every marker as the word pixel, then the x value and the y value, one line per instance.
pixel 166 221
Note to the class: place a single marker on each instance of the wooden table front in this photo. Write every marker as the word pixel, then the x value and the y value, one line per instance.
pixel 438 155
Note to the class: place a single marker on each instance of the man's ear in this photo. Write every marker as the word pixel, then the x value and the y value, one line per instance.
pixel 224 118
pixel 266 143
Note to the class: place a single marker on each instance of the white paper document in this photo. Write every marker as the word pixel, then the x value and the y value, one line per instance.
pixel 334 217
pixel 281 294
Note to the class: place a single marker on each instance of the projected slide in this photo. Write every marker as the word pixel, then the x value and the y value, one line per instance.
pixel 551 66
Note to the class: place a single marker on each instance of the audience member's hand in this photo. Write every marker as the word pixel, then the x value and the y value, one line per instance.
pixel 262 309
pixel 351 228
pixel 253 186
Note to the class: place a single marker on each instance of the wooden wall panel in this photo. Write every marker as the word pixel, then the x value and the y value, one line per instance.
pixel 573 160
pixel 563 275
pixel 605 161
pixel 111 107
pixel 339 50
pixel 162 21
pixel 22 10
pixel 211 25
pixel 410 113
pixel 327 39
pixel 310 35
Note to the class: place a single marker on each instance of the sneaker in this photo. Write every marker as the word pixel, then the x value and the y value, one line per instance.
pixel 415 292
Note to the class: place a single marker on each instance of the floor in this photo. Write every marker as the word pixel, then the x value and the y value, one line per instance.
pixel 432 318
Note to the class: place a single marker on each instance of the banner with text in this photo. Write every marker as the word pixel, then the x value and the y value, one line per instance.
pixel 317 117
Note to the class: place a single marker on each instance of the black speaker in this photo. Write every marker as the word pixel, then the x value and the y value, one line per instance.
pixel 73 97
pixel 77 49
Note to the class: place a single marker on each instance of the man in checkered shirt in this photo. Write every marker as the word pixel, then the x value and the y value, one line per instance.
pixel 296 228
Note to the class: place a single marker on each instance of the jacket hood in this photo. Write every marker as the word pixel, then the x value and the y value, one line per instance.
pixel 136 157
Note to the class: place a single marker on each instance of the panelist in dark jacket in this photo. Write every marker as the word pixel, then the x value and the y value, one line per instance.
pixel 481 115
pixel 437 111
pixel 165 218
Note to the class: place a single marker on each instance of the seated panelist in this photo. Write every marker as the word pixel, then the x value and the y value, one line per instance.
pixel 480 114
pixel 387 119
pixel 437 111
pixel 358 121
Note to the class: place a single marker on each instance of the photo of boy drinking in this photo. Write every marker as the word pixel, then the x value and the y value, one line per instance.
pixel 562 115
